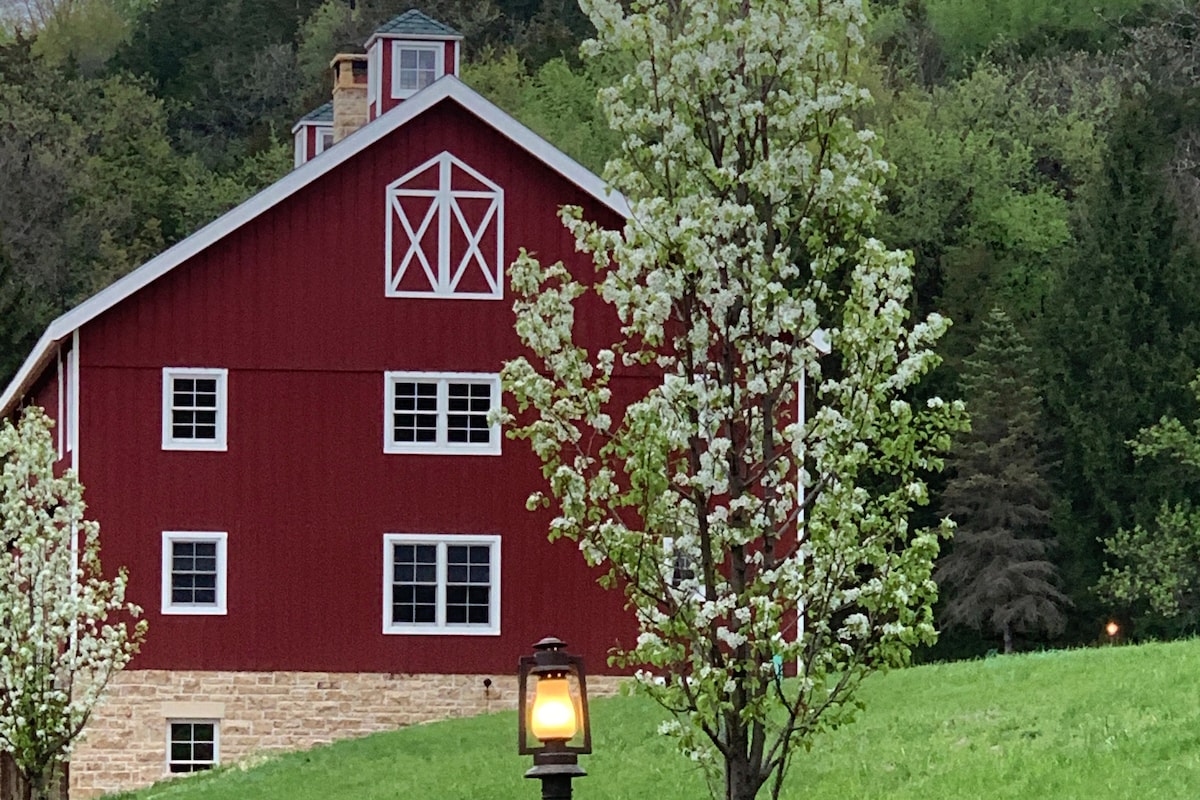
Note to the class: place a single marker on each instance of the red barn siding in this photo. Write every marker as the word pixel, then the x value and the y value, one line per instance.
pixel 293 306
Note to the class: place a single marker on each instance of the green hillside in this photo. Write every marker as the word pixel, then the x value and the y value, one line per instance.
pixel 1096 724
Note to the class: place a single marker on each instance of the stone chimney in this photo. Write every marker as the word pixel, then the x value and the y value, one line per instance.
pixel 349 94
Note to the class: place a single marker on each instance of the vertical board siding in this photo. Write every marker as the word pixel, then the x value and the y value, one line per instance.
pixel 293 305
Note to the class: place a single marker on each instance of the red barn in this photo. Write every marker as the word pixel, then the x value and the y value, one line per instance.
pixel 281 423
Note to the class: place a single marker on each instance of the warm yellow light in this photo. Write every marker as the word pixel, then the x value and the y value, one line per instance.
pixel 553 715
pixel 1112 628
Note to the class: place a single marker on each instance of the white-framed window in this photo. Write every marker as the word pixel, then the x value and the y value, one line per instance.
pixel 432 412
pixel 682 571
pixel 194 572
pixel 324 139
pixel 415 66
pixel 192 745
pixel 194 408
pixel 445 233
pixel 441 584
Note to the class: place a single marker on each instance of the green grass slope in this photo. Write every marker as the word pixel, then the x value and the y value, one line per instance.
pixel 1106 724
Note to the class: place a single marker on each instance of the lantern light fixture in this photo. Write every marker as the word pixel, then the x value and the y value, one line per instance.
pixel 552 716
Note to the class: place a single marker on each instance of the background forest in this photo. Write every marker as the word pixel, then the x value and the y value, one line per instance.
pixel 1047 182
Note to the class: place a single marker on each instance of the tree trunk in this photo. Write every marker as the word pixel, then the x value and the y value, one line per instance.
pixel 1008 639
pixel 741 781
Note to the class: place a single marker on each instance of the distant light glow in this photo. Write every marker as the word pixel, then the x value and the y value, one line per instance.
pixel 1112 629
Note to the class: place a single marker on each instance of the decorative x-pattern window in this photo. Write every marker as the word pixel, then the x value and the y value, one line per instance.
pixel 445 234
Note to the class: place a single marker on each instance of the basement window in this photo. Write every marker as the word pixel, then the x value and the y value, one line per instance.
pixel 191 745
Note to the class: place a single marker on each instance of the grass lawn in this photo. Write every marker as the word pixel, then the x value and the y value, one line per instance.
pixel 1104 724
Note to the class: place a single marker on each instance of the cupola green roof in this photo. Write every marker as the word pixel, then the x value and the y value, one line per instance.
pixel 414 23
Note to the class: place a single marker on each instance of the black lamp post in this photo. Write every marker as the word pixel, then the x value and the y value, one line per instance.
pixel 552 709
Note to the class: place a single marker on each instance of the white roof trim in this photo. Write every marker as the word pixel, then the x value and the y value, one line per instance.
pixel 415 37
pixel 311 123
pixel 446 87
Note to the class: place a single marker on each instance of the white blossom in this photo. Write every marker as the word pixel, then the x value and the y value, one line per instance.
pixel 752 193
pixel 62 636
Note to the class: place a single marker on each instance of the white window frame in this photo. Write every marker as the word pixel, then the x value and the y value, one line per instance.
pixel 441 445
pixel 670 562
pixel 439 63
pixel 323 131
pixel 216 723
pixel 440 627
pixel 169 539
pixel 169 442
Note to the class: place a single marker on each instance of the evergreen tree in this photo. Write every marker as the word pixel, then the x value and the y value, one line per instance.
pixel 1120 344
pixel 997 575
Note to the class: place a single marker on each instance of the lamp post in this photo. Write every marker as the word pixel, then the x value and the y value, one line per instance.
pixel 552 716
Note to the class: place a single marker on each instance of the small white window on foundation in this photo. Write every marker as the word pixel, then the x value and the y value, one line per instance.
pixel 192 745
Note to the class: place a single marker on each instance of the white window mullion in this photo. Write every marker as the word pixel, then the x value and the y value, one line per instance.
pixel 443 435
pixel 443 573
pixel 443 200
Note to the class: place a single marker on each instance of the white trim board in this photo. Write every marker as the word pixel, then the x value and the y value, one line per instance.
pixel 446 87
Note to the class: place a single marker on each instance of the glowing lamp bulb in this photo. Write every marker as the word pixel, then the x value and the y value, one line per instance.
pixel 553 715
pixel 1112 628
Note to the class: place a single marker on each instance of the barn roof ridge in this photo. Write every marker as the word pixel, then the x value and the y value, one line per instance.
pixel 445 88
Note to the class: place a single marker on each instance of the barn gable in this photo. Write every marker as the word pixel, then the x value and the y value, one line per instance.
pixel 447 88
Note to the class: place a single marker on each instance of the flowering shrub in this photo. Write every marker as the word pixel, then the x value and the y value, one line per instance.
pixel 61 632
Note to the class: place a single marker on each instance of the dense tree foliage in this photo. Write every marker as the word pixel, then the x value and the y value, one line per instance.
pixel 1045 162
pixel 753 192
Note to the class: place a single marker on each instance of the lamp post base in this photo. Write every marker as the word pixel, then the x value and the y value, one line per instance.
pixel 556 779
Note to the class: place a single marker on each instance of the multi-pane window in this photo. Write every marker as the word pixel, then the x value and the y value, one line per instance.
pixel 194 409
pixel 193 580
pixel 441 584
pixel 440 413
pixel 682 571
pixel 414 67
pixel 191 745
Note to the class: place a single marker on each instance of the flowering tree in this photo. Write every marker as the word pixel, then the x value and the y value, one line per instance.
pixel 748 537
pixel 60 639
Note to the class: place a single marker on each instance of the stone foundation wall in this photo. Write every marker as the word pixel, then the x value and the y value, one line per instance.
pixel 125 744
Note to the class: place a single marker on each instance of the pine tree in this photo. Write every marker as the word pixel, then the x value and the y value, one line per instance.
pixel 997 576
pixel 1119 344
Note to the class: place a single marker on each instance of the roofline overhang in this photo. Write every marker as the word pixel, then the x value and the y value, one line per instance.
pixel 309 123
pixel 416 37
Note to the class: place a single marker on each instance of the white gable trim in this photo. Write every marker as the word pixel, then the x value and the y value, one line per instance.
pixel 311 124
pixel 415 37
pixel 446 87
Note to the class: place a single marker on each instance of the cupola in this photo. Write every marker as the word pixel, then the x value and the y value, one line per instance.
pixel 404 56
pixel 313 134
